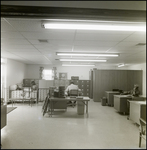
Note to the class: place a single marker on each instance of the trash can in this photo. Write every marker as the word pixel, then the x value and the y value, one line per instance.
pixel 80 108
pixel 103 101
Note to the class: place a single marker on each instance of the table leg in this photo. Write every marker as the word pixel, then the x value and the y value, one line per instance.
pixel 51 108
pixel 87 108
pixel 12 102
pixel 31 102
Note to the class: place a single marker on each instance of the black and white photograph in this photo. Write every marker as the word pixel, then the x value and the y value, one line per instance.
pixel 73 74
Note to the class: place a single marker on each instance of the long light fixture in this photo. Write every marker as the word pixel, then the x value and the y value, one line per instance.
pixel 86 54
pixel 90 60
pixel 92 26
pixel 78 65
pixel 121 65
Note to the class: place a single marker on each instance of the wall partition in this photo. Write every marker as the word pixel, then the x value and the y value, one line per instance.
pixel 107 80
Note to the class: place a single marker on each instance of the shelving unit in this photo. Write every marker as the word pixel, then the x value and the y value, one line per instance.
pixel 27 85
pixel 84 85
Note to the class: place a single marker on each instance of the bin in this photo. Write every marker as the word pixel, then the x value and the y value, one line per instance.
pixel 103 101
pixel 80 108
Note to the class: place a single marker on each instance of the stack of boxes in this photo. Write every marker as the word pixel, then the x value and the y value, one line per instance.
pixel 51 91
pixel 61 91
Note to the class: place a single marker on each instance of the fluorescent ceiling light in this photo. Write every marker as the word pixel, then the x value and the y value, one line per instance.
pixel 92 26
pixel 80 54
pixel 78 65
pixel 90 60
pixel 121 65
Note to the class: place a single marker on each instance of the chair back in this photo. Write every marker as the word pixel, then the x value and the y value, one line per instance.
pixel 73 92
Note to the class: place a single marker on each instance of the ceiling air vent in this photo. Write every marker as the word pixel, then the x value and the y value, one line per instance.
pixel 140 44
pixel 43 41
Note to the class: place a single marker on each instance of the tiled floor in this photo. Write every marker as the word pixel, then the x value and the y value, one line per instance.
pixel 105 128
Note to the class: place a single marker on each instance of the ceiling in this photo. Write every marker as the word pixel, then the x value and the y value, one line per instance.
pixel 20 41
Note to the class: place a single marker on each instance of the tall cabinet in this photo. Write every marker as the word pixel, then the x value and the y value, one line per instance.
pixel 106 80
pixel 91 83
pixel 84 85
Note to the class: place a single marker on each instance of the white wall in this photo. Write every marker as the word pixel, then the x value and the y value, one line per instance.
pixel 82 72
pixel 33 71
pixel 15 72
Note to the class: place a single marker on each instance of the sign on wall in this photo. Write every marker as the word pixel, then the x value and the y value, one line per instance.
pixel 62 76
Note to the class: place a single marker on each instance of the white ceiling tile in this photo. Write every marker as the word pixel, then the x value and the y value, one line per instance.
pixel 61 42
pixel 90 48
pixel 22 50
pixel 65 47
pixel 36 41
pixel 17 46
pixel 137 37
pixel 34 58
pixel 99 37
pixel 54 48
pixel 26 24
pixel 48 35
pixel 19 41
pixel 35 35
pixel 6 54
pixel 27 54
pixel 5 27
pixel 127 44
pixel 14 41
pixel 94 43
pixel 44 45
pixel 8 35
pixel 127 49
pixel 105 32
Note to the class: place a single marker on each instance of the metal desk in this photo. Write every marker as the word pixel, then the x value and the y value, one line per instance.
pixel 110 98
pixel 54 99
pixel 133 99
pixel 136 109
pixel 120 103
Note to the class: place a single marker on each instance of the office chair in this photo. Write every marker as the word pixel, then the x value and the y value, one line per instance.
pixel 73 93
pixel 142 132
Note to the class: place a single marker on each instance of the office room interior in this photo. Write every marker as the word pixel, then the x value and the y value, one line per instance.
pixel 101 47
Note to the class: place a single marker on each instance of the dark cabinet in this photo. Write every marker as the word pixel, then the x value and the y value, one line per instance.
pixel 84 85
pixel 3 115
pixel 91 83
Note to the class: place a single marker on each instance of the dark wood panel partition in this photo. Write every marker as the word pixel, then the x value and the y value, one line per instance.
pixel 106 80
pixel 122 80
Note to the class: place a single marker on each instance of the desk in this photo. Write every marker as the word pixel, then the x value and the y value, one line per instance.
pixel 14 99
pixel 120 103
pixel 54 99
pixel 134 99
pixel 3 115
pixel 110 98
pixel 136 109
